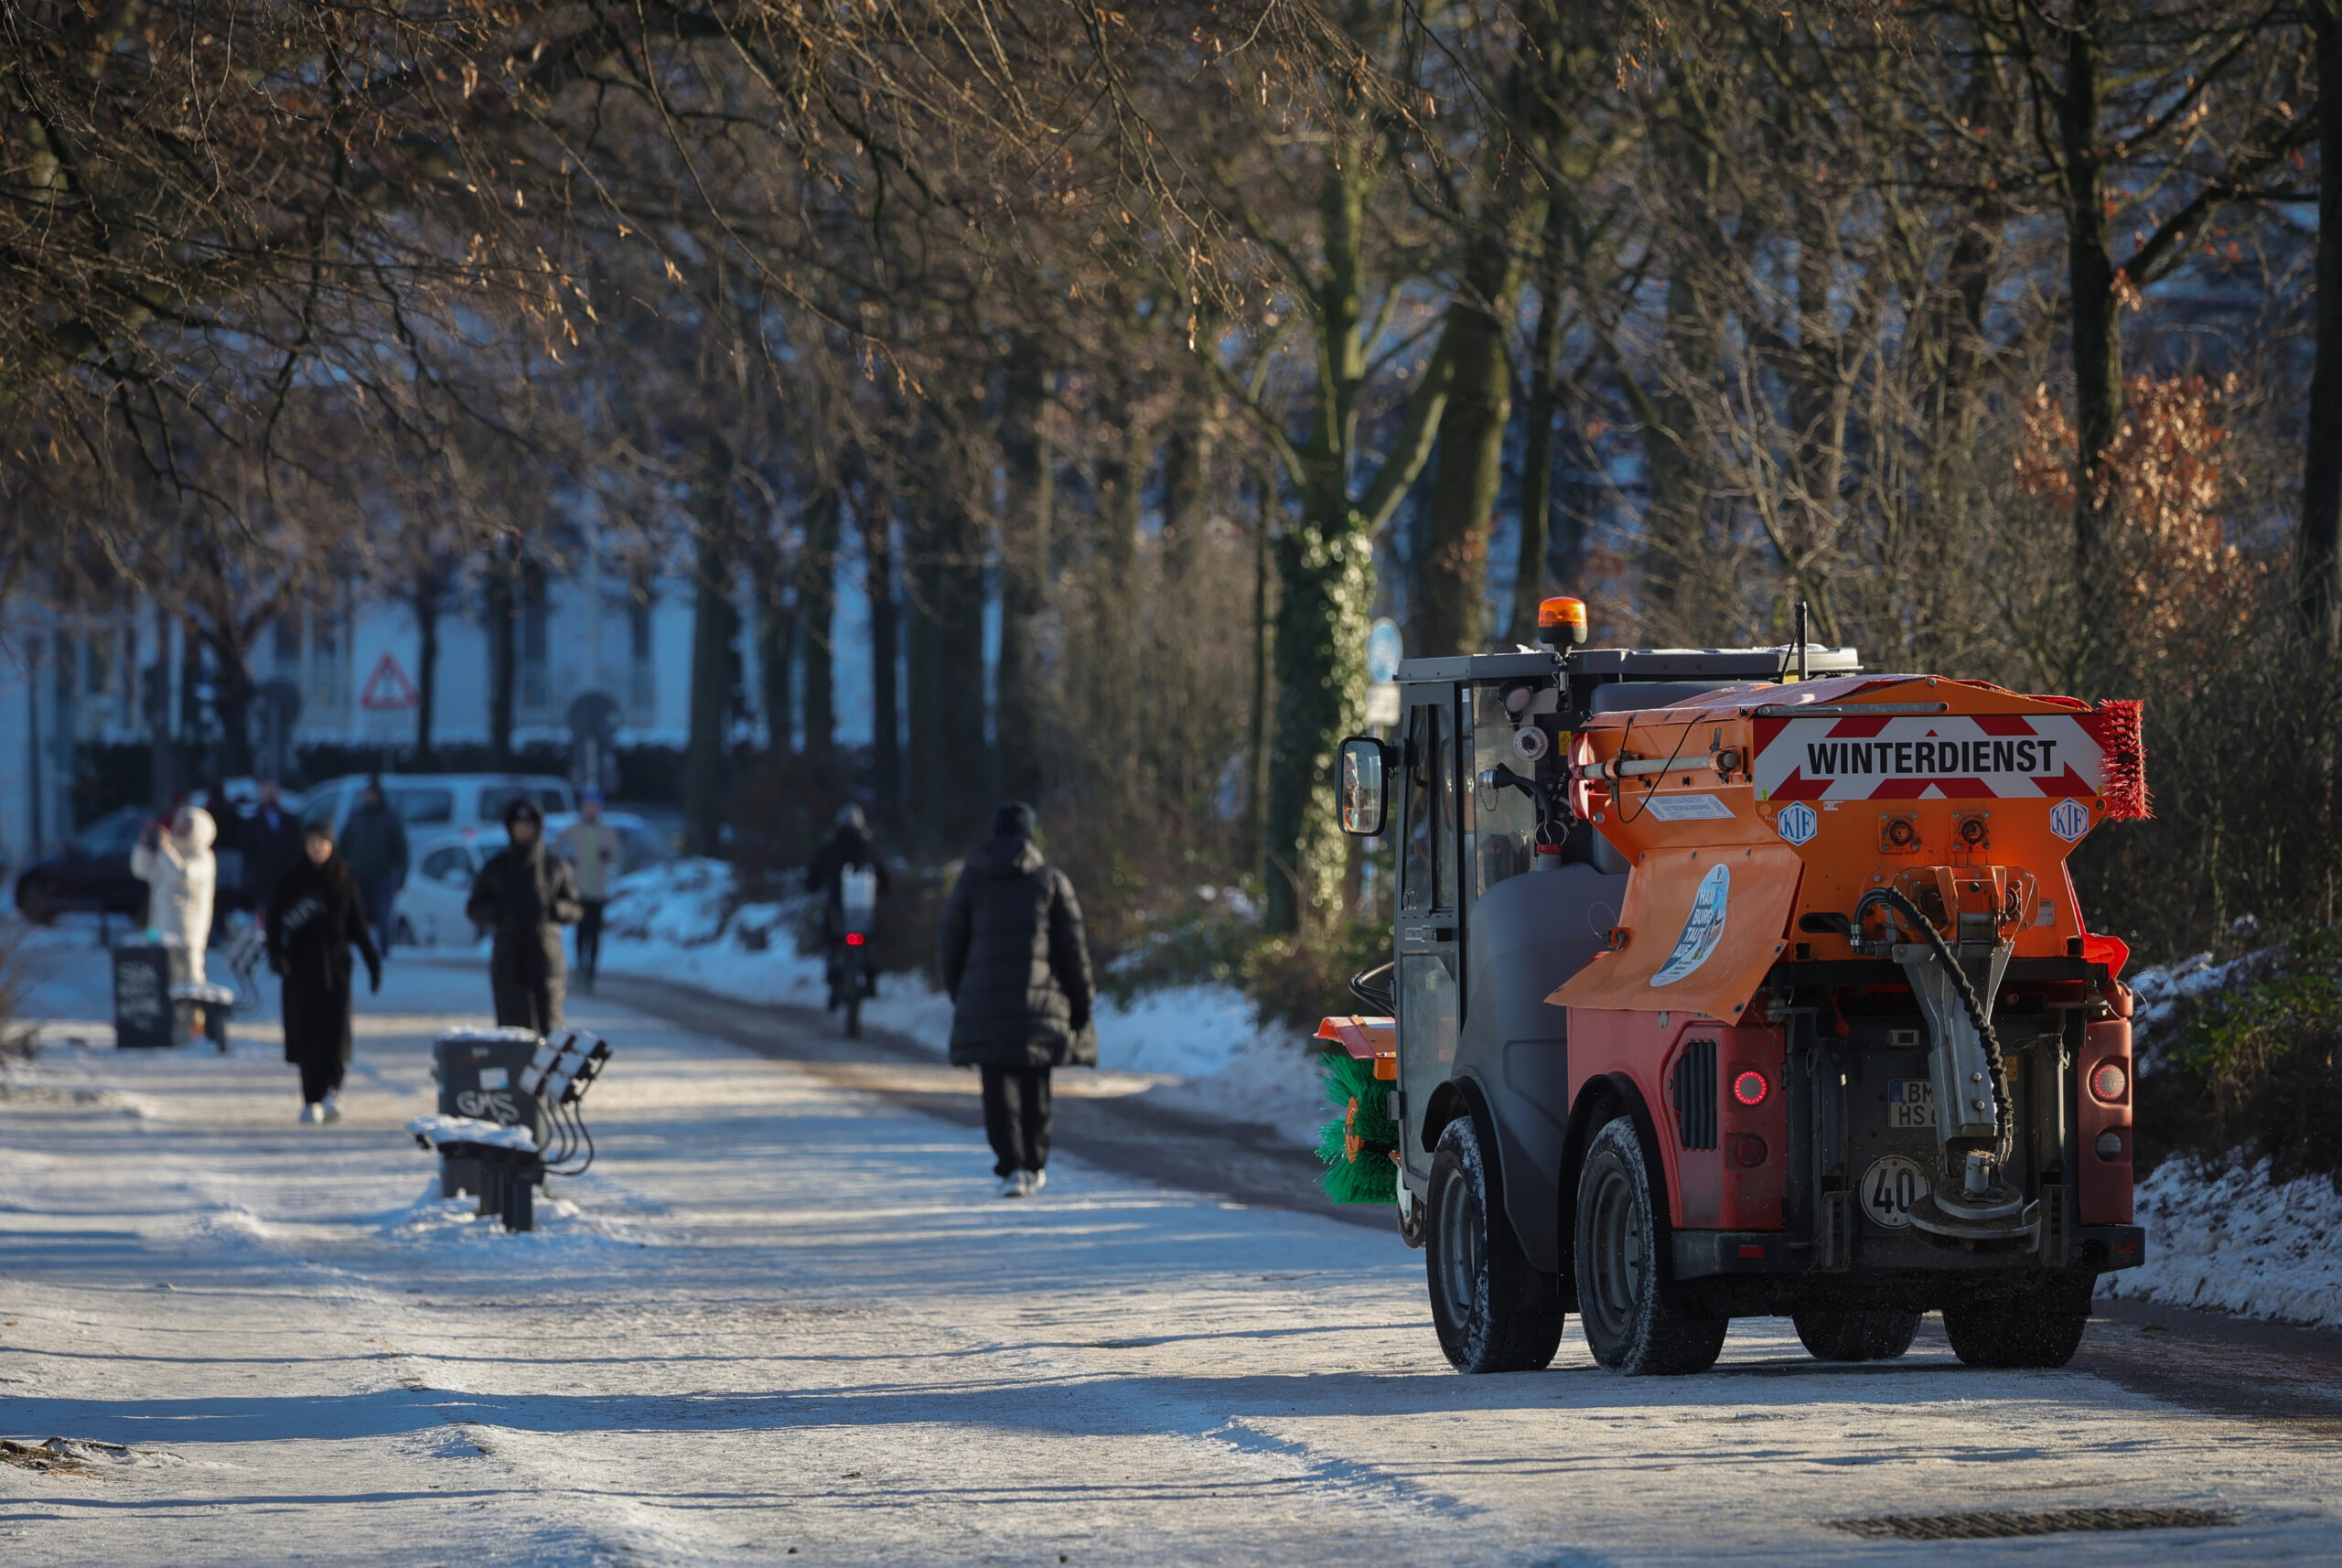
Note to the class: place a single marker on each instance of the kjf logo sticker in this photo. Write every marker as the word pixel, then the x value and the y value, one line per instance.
pixel 1702 928
pixel 2069 821
pixel 1798 822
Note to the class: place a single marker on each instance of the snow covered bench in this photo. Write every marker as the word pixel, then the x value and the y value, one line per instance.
pixel 511 1164
pixel 511 1167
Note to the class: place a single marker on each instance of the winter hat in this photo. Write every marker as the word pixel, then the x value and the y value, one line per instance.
pixel 522 807
pixel 1013 821
pixel 319 828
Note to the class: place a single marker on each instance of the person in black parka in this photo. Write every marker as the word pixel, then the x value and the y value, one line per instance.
pixel 526 895
pixel 315 917
pixel 1017 967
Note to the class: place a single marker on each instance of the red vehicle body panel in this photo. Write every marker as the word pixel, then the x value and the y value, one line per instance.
pixel 1709 1190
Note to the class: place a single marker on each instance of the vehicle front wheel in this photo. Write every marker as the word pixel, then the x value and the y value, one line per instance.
pixel 33 902
pixel 2040 1328
pixel 1856 1336
pixel 1635 1321
pixel 1493 1310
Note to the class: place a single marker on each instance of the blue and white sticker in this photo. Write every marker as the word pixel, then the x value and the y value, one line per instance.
pixel 1702 930
pixel 1797 822
pixel 2070 820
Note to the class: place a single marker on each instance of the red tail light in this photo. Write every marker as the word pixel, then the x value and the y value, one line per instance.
pixel 855 939
pixel 2109 1082
pixel 1750 1087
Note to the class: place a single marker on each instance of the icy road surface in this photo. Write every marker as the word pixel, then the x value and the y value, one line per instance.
pixel 785 1314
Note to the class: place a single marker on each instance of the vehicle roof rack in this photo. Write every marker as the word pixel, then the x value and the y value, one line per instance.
pixel 1638 663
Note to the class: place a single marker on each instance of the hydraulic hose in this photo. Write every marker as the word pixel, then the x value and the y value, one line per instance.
pixel 2003 1115
pixel 1378 997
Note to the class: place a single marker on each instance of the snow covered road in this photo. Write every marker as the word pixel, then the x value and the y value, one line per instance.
pixel 785 1316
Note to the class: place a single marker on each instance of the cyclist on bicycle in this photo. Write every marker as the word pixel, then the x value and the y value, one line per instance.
pixel 850 854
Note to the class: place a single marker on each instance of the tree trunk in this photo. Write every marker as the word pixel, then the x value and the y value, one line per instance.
pixel 1514 204
pixel 232 693
pixel 1186 486
pixel 886 697
pixel 705 771
pixel 776 648
pixel 1537 462
pixel 817 593
pixel 503 572
pixel 1326 564
pixel 1674 606
pixel 161 776
pixel 1256 725
pixel 1025 545
pixel 949 766
pixel 2318 552
pixel 2095 329
pixel 1471 467
pixel 426 669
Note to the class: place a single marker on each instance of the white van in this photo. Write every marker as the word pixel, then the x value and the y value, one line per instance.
pixel 441 800
pixel 430 907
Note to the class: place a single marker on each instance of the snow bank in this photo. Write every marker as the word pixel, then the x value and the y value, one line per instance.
pixel 2169 997
pixel 2231 1239
pixel 680 922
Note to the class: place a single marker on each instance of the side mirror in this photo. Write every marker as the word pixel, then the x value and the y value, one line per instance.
pixel 1362 787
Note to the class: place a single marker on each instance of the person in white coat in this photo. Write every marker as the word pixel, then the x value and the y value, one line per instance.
pixel 180 874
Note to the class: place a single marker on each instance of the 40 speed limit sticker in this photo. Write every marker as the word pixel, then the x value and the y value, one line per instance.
pixel 1892 1184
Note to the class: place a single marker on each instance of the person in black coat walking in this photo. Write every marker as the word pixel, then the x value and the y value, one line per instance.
pixel 315 917
pixel 526 895
pixel 1017 967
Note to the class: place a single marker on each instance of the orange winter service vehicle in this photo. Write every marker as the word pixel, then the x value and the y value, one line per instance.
pixel 1729 983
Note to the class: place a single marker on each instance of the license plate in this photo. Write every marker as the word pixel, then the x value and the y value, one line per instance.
pixel 1911 1103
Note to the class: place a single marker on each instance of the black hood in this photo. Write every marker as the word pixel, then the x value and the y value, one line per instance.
pixel 1007 856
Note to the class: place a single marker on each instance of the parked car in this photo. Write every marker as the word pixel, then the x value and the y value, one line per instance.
pixel 442 866
pixel 93 874
pixel 441 800
pixel 430 907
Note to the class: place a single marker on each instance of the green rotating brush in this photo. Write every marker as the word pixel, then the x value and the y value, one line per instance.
pixel 1359 1145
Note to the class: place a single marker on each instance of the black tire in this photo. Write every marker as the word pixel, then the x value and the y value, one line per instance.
pixel 1486 1301
pixel 2039 1329
pixel 1634 1319
pixel 35 905
pixel 854 1016
pixel 1856 1336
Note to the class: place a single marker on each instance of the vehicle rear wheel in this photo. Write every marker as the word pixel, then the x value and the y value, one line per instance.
pixel 1485 1295
pixel 1856 1336
pixel 1634 1319
pixel 2040 1328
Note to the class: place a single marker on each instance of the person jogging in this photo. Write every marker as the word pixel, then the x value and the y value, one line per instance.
pixel 1017 967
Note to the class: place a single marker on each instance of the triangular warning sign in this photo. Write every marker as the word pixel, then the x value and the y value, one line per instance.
pixel 388 689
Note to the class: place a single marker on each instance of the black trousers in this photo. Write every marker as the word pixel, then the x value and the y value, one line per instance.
pixel 1016 1118
pixel 319 1079
pixel 589 938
